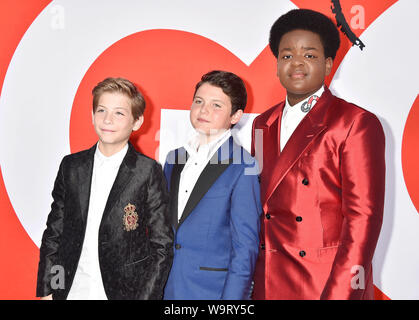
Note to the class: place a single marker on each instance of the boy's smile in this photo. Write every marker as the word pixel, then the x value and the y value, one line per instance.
pixel 113 122
pixel 302 65
pixel 211 111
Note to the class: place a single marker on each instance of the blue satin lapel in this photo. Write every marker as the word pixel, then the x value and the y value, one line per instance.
pixel 207 178
pixel 179 163
pixel 215 167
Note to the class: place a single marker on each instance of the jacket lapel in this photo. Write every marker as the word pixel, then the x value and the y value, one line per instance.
pixel 215 167
pixel 271 145
pixel 85 172
pixel 271 129
pixel 308 129
pixel 174 184
pixel 122 180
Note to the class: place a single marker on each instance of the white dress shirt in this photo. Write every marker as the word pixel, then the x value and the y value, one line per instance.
pixel 87 284
pixel 199 156
pixel 292 116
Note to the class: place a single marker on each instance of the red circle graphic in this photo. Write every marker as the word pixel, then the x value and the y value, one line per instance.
pixel 166 65
pixel 410 153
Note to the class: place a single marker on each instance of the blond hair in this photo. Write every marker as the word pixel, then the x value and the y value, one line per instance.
pixel 123 86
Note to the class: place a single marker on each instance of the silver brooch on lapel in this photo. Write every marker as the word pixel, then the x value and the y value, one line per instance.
pixel 130 218
pixel 307 105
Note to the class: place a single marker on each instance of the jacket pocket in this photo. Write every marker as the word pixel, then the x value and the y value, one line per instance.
pixel 213 269
pixel 327 254
pixel 219 192
pixel 138 261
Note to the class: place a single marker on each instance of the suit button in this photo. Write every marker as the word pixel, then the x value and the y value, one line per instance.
pixel 268 216
pixel 262 246
pixel 302 253
pixel 299 219
pixel 304 182
pixel 178 246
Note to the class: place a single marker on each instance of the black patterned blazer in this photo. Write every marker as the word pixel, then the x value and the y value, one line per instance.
pixel 135 237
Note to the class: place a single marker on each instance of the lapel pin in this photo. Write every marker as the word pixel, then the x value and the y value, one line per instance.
pixel 130 218
pixel 307 105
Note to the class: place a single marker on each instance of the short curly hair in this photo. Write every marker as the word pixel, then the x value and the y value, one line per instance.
pixel 310 20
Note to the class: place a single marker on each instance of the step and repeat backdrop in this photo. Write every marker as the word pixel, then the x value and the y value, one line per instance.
pixel 52 53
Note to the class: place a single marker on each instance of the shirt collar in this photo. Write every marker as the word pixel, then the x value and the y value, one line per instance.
pixel 297 107
pixel 207 149
pixel 114 160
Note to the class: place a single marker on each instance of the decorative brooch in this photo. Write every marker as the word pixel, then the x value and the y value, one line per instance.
pixel 130 218
pixel 307 105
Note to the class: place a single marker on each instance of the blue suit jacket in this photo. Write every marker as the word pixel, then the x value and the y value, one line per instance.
pixel 217 238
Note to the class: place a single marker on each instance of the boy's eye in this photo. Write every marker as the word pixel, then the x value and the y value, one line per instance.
pixel 286 57
pixel 119 113
pixel 100 110
pixel 197 101
pixel 310 56
pixel 217 105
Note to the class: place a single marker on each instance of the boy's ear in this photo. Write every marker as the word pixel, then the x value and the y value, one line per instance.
pixel 329 65
pixel 138 123
pixel 236 116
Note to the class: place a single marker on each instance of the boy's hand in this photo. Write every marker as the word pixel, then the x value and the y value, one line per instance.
pixel 47 297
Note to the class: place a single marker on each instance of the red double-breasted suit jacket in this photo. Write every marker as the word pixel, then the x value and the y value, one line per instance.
pixel 323 199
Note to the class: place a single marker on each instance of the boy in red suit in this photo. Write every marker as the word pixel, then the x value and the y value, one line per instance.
pixel 323 174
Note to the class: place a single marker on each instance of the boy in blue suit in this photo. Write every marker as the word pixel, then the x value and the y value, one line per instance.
pixel 215 199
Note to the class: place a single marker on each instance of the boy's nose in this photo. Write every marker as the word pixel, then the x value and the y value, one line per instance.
pixel 204 108
pixel 297 61
pixel 108 118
